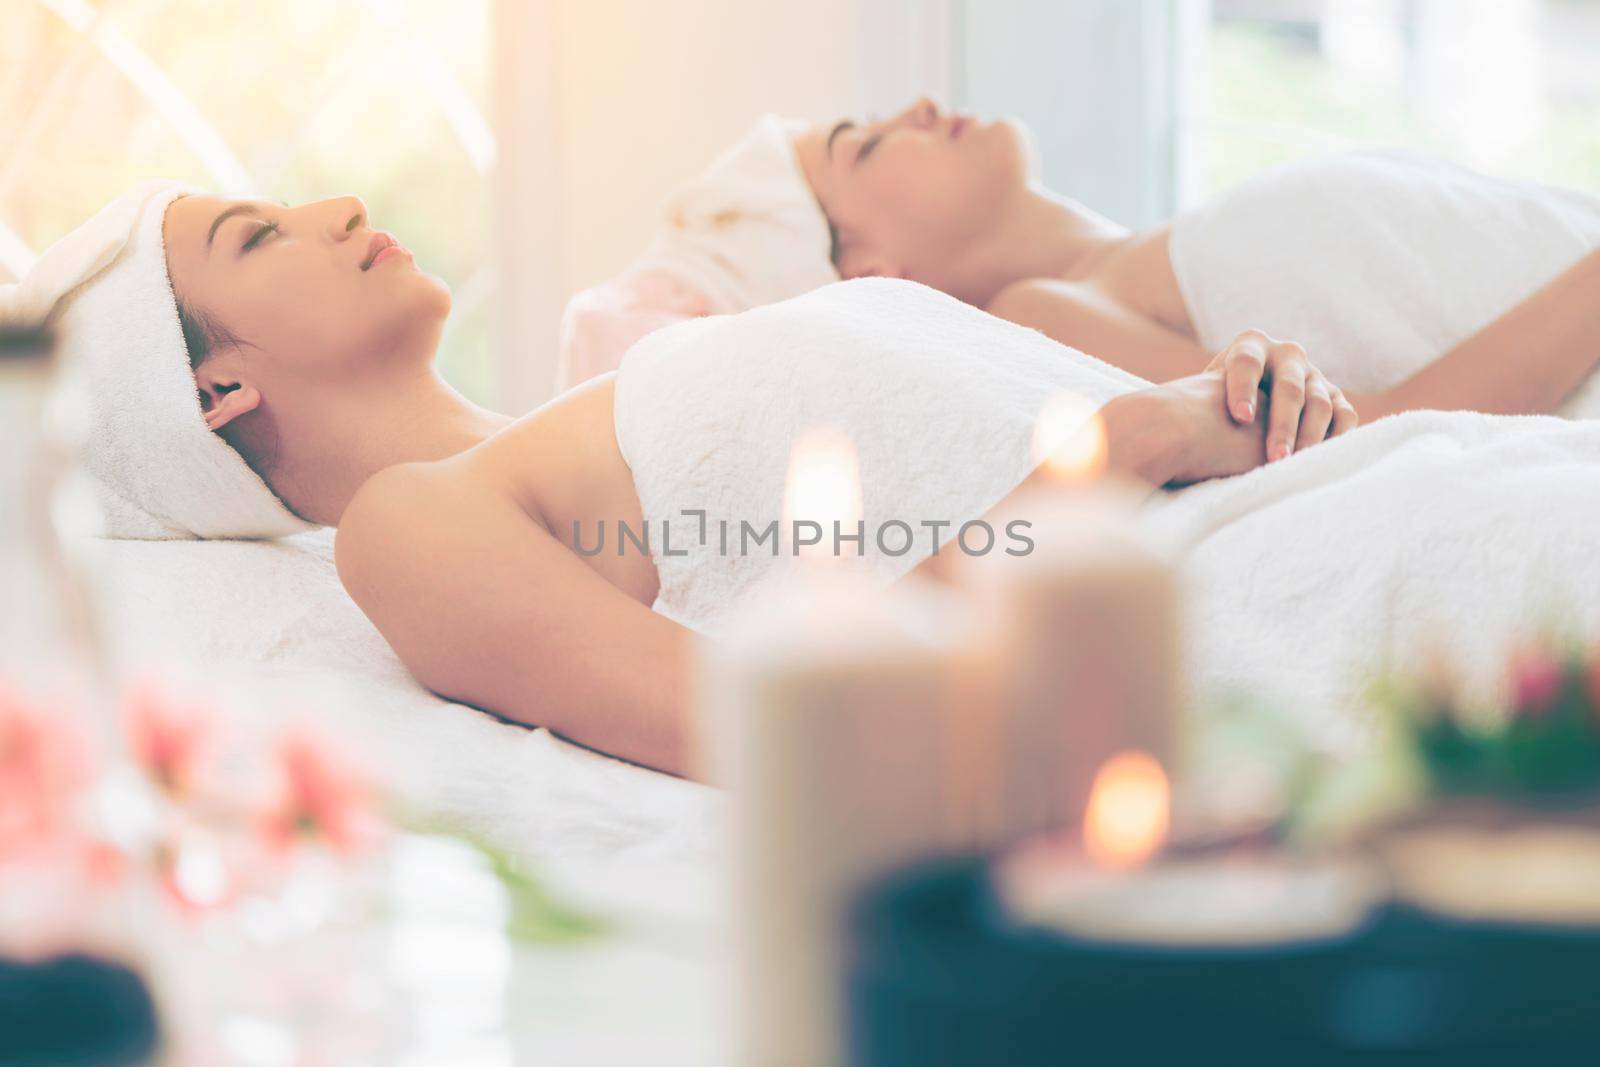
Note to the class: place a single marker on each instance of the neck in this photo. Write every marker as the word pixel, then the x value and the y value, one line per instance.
pixel 346 440
pixel 1045 235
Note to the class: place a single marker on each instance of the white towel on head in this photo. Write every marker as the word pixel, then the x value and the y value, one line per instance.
pixel 747 232
pixel 162 474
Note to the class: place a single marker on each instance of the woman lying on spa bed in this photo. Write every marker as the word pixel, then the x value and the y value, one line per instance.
pixel 1371 248
pixel 312 339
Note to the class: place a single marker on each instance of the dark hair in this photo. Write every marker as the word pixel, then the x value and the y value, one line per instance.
pixel 203 334
pixel 833 244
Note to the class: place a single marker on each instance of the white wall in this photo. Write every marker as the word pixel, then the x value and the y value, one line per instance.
pixel 610 104
pixel 1098 82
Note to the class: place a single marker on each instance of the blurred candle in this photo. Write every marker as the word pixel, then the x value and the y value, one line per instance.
pixel 1114 886
pixel 1085 631
pixel 826 706
pixel 1129 810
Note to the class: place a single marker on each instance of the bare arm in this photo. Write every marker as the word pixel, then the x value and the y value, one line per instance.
pixel 1306 407
pixel 485 607
pixel 1528 361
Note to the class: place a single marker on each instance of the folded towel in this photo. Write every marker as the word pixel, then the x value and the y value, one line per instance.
pixel 939 398
pixel 161 472
pixel 748 231
pixel 1377 262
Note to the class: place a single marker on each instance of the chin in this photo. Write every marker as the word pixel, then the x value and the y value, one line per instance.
pixel 433 294
pixel 410 327
pixel 1005 159
pixel 1015 141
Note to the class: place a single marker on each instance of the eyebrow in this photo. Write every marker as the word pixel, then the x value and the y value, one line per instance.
pixel 237 209
pixel 836 131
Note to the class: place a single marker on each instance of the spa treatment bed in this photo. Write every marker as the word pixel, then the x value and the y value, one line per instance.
pixel 1304 578
pixel 259 626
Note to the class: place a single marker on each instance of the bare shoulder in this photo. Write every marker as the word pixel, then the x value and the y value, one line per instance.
pixel 410 516
pixel 1042 303
pixel 390 502
pixel 1140 277
pixel 485 606
pixel 428 551
pixel 1136 275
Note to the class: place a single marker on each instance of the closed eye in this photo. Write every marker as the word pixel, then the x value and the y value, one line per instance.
pixel 259 234
pixel 866 149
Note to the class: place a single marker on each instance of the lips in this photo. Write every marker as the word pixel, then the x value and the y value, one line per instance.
pixel 379 242
pixel 957 124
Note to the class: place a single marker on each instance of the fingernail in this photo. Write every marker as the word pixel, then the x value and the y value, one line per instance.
pixel 1279 451
pixel 1245 411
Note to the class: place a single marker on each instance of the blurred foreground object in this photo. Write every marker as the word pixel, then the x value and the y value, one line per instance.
pixel 829 712
pixel 1461 905
pixel 58 1005
pixel 941 974
pixel 74 1011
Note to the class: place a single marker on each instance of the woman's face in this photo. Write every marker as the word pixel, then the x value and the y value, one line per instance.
pixel 909 195
pixel 309 293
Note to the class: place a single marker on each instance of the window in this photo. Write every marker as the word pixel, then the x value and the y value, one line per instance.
pixel 1506 86
pixel 261 98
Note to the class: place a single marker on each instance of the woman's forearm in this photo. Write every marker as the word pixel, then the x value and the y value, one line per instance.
pixel 1526 362
pixel 1143 441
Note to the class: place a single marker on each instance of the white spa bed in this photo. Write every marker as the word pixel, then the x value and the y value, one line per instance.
pixel 267 626
pixel 1425 534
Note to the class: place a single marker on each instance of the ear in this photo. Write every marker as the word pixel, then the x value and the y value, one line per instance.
pixel 223 396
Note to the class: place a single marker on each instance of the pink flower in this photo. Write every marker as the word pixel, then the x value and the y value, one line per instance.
pixel 172 742
pixel 44 766
pixel 1536 680
pixel 320 797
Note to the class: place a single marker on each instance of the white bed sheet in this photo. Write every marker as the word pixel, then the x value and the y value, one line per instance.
pixel 268 629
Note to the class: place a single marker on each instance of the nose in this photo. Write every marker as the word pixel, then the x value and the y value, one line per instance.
pixel 344 216
pixel 923 113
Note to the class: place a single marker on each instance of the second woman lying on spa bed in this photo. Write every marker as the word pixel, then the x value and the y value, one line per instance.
pixel 1412 283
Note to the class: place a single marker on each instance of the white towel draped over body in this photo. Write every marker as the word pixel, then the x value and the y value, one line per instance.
pixel 1462 532
pixel 939 398
pixel 1377 262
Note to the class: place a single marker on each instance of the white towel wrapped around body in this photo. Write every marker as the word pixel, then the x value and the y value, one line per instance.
pixel 939 398
pixel 1450 536
pixel 1460 530
pixel 1377 262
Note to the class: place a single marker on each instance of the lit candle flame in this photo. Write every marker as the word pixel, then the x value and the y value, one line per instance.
pixel 1128 813
pixel 1069 440
pixel 824 485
